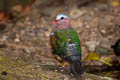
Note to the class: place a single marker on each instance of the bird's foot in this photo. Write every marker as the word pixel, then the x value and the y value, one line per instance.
pixel 64 64
pixel 58 58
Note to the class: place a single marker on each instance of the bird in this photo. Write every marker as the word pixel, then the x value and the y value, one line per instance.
pixel 116 47
pixel 116 59
pixel 65 44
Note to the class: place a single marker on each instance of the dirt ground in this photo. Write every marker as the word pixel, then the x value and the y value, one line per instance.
pixel 25 52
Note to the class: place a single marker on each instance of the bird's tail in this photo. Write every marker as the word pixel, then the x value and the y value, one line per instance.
pixel 76 67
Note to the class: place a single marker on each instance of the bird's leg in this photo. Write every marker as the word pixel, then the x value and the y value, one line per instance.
pixel 60 60
pixel 61 64
pixel 65 64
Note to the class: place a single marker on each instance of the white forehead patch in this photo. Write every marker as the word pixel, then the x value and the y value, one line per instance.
pixel 58 17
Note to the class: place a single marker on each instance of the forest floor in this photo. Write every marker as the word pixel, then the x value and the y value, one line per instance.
pixel 25 52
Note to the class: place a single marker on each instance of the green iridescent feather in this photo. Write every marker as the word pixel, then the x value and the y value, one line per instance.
pixel 60 40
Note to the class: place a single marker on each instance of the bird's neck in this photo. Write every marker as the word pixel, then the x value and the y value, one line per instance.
pixel 63 26
pixel 60 27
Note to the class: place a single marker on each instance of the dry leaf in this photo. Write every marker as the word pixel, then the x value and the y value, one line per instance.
pixel 92 56
pixel 3 17
pixel 115 3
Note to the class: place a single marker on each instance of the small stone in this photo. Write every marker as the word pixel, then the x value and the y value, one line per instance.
pixel 87 26
pixel 5 37
pixel 47 34
pixel 62 70
pixel 56 70
pixel 17 40
pixel 27 51
pixel 66 78
pixel 103 31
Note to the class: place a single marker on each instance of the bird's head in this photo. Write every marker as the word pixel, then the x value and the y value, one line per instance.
pixel 62 20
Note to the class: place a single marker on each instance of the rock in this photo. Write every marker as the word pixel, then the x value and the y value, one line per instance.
pixel 76 13
pixel 102 51
pixel 105 43
pixel 91 45
pixel 104 47
pixel 25 50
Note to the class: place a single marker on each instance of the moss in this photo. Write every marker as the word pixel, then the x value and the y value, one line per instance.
pixel 17 69
pixel 10 66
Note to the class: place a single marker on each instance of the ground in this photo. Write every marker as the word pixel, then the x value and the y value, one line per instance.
pixel 25 52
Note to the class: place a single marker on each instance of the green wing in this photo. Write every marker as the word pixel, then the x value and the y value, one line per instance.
pixel 60 40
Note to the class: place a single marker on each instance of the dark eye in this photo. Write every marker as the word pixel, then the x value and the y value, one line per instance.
pixel 62 18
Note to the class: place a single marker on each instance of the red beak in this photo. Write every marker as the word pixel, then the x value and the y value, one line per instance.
pixel 54 22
